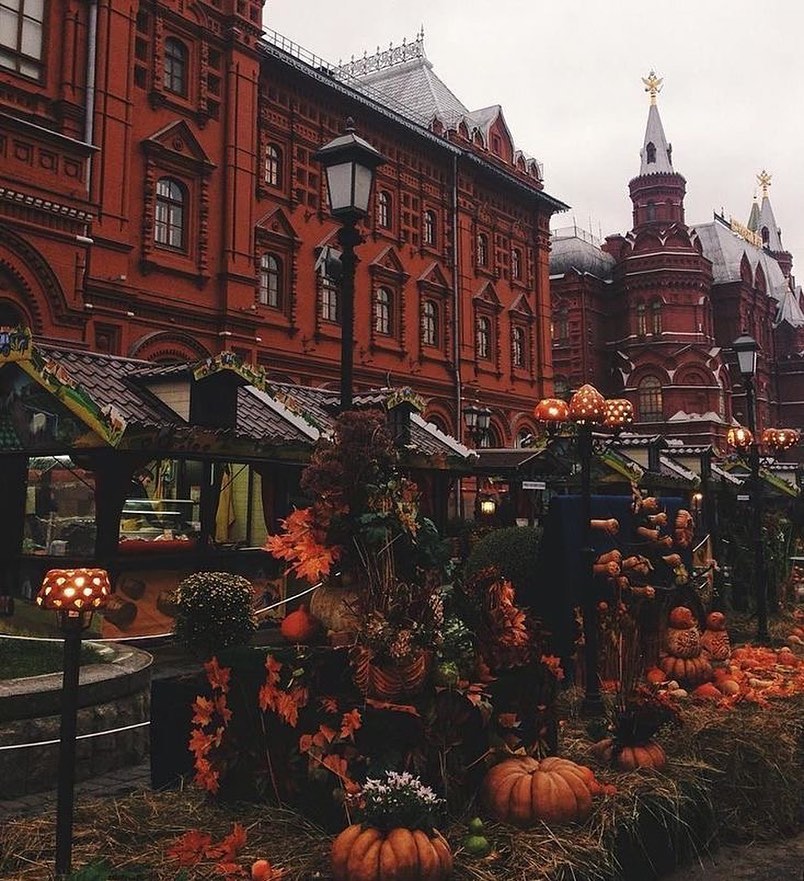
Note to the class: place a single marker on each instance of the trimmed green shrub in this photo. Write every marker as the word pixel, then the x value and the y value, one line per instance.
pixel 512 551
pixel 214 611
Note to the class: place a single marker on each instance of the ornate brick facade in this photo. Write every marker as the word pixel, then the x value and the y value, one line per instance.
pixel 651 315
pixel 184 213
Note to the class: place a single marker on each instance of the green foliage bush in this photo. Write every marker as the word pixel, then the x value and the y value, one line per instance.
pixel 513 551
pixel 214 611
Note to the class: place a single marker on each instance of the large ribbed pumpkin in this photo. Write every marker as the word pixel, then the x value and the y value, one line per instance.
pixel 522 791
pixel 363 853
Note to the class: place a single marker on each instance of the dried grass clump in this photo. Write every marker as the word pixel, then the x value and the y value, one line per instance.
pixel 133 833
pixel 759 752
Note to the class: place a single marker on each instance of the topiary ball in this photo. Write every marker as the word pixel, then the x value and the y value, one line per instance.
pixel 214 611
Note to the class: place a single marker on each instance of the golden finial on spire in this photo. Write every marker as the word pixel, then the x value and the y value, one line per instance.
pixel 764 180
pixel 653 85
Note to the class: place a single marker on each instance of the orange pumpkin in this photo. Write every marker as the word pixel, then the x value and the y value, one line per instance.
pixel 523 790
pixel 655 676
pixel 631 757
pixel 299 626
pixel 688 671
pixel 707 691
pixel 682 618
pixel 363 853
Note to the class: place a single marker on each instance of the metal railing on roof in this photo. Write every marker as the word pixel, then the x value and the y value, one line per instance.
pixel 343 74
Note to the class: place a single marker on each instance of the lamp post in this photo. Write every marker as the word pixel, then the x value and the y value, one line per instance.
pixel 587 408
pixel 746 349
pixel 73 594
pixel 478 420
pixel 349 163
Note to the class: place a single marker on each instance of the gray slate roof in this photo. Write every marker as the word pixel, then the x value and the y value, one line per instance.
pixel 767 220
pixel 575 252
pixel 726 248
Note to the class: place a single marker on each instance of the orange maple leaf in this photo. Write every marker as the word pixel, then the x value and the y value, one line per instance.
pixel 350 723
pixel 200 743
pixel 273 667
pixel 218 676
pixel 230 846
pixel 328 704
pixel 230 870
pixel 189 848
pixel 202 711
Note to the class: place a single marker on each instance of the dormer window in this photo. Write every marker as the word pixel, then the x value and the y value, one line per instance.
pixel 765 235
pixel 175 66
pixel 650 153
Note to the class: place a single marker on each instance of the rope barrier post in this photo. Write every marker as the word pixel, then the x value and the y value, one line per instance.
pixel 65 801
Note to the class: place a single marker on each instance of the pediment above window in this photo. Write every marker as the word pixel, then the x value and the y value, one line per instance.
pixel 176 145
pixel 487 296
pixel 433 279
pixel 276 225
pixel 388 264
pixel 520 306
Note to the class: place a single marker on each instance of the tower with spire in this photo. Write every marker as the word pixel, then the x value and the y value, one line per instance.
pixel 763 223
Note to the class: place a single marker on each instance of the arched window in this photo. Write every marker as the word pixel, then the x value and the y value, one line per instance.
pixel 516 264
pixel 384 209
pixel 765 235
pixel 10 315
pixel 329 299
pixel 429 228
pixel 482 249
pixel 518 347
pixel 524 438
pixel 650 152
pixel 430 330
pixel 273 166
pixel 270 292
pixel 175 66
pixel 656 317
pixel 383 300
pixel 650 211
pixel 170 214
pixel 642 320
pixel 483 338
pixel 649 403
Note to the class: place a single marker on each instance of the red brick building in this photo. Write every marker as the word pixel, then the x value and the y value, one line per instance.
pixel 159 199
pixel 649 314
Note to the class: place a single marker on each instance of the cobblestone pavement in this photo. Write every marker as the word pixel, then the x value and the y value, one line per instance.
pixel 771 861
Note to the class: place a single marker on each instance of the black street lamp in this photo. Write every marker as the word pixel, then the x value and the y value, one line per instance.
pixel 73 594
pixel 349 163
pixel 478 420
pixel 746 349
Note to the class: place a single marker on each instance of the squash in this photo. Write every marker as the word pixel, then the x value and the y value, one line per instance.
pixel 633 756
pixel 522 791
pixel 681 618
pixel 687 671
pixel 363 853
pixel 299 626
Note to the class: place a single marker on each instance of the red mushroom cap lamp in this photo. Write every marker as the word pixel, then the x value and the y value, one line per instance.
pixel 739 437
pixel 74 593
pixel 551 411
pixel 619 413
pixel 587 406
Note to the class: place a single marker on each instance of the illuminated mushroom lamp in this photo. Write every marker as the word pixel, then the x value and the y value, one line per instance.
pixel 74 594
pixel 739 437
pixel 587 406
pixel 780 438
pixel 619 413
pixel 552 412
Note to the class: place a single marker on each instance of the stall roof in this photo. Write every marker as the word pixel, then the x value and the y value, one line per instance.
pixel 119 404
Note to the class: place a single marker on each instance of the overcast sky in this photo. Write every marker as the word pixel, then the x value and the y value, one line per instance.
pixel 568 76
